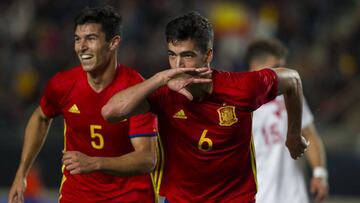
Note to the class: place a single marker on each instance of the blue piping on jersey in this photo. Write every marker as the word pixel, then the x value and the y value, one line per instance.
pixel 143 135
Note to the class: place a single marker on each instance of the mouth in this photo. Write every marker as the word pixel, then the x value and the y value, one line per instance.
pixel 85 57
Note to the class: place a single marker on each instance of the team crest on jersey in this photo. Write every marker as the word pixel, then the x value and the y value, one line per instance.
pixel 227 115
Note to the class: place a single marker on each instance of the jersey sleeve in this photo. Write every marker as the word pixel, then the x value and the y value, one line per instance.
pixel 52 96
pixel 307 117
pixel 143 125
pixel 263 87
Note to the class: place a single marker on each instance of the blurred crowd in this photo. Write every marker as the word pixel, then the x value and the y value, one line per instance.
pixel 36 41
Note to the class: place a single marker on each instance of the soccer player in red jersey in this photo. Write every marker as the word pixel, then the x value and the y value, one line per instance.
pixel 79 94
pixel 206 127
pixel 205 116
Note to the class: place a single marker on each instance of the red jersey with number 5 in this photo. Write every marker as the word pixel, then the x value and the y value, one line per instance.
pixel 69 93
pixel 208 144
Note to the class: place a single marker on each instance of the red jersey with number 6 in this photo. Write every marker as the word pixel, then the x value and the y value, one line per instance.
pixel 208 144
pixel 69 93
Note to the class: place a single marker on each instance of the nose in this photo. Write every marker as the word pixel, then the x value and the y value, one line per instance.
pixel 179 62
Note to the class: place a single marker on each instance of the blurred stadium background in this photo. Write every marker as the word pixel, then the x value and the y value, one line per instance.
pixel 36 40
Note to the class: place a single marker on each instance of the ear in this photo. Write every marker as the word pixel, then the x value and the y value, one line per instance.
pixel 114 42
pixel 209 56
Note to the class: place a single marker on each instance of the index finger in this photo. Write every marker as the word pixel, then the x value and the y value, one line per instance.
pixel 183 70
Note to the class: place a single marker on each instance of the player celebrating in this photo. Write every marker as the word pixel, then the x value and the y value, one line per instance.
pixel 280 178
pixel 206 127
pixel 78 94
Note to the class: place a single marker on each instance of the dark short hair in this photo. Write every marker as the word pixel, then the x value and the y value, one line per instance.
pixel 191 26
pixel 110 20
pixel 265 47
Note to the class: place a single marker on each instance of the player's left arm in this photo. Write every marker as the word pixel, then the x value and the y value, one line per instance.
pixel 317 159
pixel 289 84
pixel 141 160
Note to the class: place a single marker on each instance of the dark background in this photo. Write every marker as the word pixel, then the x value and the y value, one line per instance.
pixel 36 41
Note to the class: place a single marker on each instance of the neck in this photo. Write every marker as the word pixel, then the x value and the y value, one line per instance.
pixel 100 79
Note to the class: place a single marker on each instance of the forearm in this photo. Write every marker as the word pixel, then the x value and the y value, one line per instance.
pixel 293 103
pixel 134 163
pixel 132 100
pixel 316 152
pixel 35 134
pixel 290 86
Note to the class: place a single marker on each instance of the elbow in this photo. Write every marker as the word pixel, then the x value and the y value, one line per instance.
pixel 296 82
pixel 111 114
pixel 106 113
pixel 290 81
pixel 296 77
pixel 149 164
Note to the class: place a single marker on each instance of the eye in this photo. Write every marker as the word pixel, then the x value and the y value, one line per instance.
pixel 92 38
pixel 76 39
pixel 170 54
pixel 188 56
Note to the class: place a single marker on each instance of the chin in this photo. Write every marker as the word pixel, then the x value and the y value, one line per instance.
pixel 87 68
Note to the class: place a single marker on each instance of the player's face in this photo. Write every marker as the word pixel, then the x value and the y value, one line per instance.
pixel 184 54
pixel 91 47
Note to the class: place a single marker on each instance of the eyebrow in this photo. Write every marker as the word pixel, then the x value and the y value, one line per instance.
pixel 183 53
pixel 88 35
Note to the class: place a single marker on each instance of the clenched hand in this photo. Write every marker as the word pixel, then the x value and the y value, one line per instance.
pixel 76 162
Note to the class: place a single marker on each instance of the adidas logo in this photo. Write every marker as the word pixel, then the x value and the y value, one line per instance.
pixel 180 114
pixel 74 109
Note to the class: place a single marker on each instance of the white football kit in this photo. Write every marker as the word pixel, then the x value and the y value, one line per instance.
pixel 280 178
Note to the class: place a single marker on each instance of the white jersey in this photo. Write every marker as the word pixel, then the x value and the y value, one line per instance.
pixel 280 179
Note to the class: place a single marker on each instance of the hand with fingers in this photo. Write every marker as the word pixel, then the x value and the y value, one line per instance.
pixel 16 194
pixel 179 78
pixel 296 146
pixel 76 162
pixel 319 188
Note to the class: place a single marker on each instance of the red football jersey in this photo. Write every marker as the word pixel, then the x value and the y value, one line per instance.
pixel 69 93
pixel 207 144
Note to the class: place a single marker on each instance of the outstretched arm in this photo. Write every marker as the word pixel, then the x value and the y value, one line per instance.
pixel 317 159
pixel 132 100
pixel 35 134
pixel 141 160
pixel 290 85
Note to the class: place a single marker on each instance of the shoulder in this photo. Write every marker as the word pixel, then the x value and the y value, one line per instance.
pixel 66 78
pixel 230 79
pixel 71 74
pixel 126 73
pixel 226 75
pixel 123 69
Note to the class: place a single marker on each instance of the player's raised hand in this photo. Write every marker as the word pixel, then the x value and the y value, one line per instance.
pixel 76 162
pixel 16 194
pixel 178 78
pixel 297 146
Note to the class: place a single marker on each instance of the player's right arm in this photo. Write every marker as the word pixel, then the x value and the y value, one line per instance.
pixel 35 134
pixel 289 84
pixel 132 101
